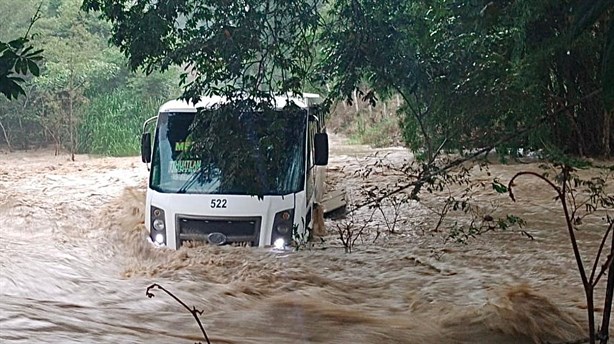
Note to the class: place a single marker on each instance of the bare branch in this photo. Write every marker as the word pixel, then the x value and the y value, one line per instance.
pixel 195 312
pixel 607 307
pixel 519 174
pixel 608 261
pixel 34 19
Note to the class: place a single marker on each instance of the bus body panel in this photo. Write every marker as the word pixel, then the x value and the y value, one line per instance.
pixel 178 206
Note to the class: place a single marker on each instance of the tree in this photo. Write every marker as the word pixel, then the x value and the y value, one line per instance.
pixel 580 199
pixel 510 58
pixel 17 60
pixel 475 73
pixel 231 48
pixel 80 68
pixel 71 67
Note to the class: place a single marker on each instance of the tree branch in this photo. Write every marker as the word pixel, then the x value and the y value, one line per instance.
pixel 34 18
pixel 609 294
pixel 608 261
pixel 423 177
pixel 195 312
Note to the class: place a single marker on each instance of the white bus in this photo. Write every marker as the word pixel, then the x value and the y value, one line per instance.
pixel 184 203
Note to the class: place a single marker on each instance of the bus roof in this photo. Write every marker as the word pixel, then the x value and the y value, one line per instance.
pixel 304 101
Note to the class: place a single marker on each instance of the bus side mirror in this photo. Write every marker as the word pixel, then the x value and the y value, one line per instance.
pixel 320 141
pixel 146 147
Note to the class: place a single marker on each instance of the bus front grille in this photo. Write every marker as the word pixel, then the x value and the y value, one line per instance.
pixel 235 230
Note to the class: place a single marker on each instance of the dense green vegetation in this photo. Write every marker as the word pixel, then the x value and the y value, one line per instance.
pixel 505 74
pixel 471 74
pixel 86 98
pixel 363 123
pixel 479 73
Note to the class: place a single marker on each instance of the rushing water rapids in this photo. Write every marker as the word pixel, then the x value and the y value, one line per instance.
pixel 74 266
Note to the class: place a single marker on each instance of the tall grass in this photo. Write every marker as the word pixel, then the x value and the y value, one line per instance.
pixel 111 124
pixel 362 123
pixel 383 132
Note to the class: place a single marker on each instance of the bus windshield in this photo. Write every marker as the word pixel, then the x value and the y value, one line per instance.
pixel 248 154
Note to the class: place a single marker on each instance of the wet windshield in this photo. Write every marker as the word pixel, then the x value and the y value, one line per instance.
pixel 250 148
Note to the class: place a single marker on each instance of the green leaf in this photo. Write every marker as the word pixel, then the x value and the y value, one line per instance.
pixel 498 187
pixel 33 67
pixel 21 66
pixel 35 54
pixel 18 43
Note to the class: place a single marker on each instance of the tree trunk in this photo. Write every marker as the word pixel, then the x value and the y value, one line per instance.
pixel 24 143
pixel 6 137
pixel 609 293
pixel 71 127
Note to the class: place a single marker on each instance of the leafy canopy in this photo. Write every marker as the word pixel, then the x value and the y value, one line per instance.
pixel 230 48
pixel 472 74
pixel 109 101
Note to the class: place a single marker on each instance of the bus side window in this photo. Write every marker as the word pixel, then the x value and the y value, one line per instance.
pixel 310 160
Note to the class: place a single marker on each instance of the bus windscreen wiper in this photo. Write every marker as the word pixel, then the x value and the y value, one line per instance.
pixel 188 184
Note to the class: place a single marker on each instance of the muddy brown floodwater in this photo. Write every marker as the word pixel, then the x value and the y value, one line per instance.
pixel 74 266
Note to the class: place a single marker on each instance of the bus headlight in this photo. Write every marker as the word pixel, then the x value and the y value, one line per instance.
pixel 282 228
pixel 279 244
pixel 157 231
pixel 158 224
